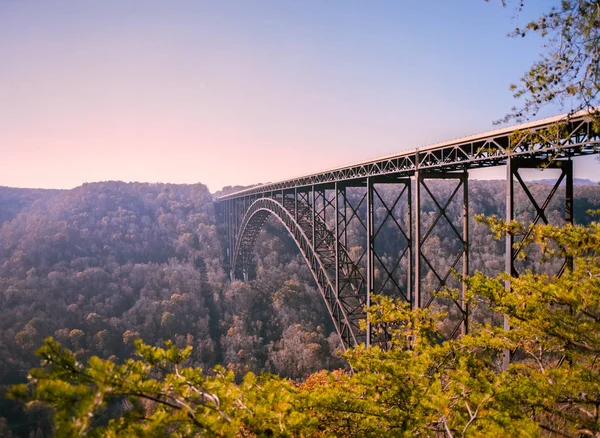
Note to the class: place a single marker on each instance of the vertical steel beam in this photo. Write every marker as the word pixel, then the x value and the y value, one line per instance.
pixel 345 215
pixel 465 268
pixel 245 257
pixel 510 205
pixel 228 231
pixel 410 276
pixel 508 254
pixel 231 238
pixel 337 241
pixel 238 205
pixel 314 208
pixel 296 204
pixel 324 199
pixel 235 216
pixel 416 298
pixel 245 266
pixel 230 220
pixel 569 217
pixel 369 255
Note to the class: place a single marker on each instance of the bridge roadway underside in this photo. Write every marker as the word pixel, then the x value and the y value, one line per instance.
pixel 363 229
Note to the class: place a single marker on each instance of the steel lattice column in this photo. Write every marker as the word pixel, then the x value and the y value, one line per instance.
pixel 369 247
pixel 349 277
pixel 391 202
pixel 513 165
pixel 423 231
pixel 232 236
pixel 388 224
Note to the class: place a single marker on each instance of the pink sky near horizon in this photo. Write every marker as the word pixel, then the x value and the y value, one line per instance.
pixel 230 94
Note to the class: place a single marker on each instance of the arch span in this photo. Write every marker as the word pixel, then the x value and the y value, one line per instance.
pixel 346 312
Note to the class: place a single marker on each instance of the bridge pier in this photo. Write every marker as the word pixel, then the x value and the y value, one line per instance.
pixel 389 218
pixel 513 249
pixel 512 171
pixel 370 252
pixel 442 276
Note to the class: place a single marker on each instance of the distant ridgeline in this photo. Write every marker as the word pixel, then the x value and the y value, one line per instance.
pixel 106 263
pixel 13 201
pixel 576 182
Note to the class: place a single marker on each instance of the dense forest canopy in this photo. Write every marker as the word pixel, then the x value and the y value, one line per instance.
pixel 105 264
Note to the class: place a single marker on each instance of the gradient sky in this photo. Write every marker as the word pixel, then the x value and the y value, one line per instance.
pixel 239 92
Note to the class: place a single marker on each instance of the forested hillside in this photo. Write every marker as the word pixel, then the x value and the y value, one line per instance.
pixel 15 200
pixel 104 264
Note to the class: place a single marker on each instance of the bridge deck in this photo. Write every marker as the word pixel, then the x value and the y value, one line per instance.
pixel 560 136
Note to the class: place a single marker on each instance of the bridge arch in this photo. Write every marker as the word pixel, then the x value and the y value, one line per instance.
pixel 254 219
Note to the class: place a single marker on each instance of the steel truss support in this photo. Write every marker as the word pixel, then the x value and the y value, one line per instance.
pixel 306 215
pixel 370 253
pixel 343 218
pixel 348 224
pixel 513 249
pixel 360 231
pixel 230 236
pixel 388 246
pixel 391 199
pixel 350 267
pixel 430 278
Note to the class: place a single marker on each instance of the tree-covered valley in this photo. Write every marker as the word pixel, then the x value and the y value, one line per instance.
pixel 102 265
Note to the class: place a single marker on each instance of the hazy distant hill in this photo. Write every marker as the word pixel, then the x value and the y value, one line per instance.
pixel 231 189
pixel 576 182
pixel 13 200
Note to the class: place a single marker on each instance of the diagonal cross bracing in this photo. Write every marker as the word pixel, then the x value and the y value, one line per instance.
pixel 514 249
pixel 432 280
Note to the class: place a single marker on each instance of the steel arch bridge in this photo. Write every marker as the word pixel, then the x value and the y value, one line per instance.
pixel 322 212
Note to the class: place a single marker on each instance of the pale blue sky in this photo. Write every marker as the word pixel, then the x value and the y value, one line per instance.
pixel 239 92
